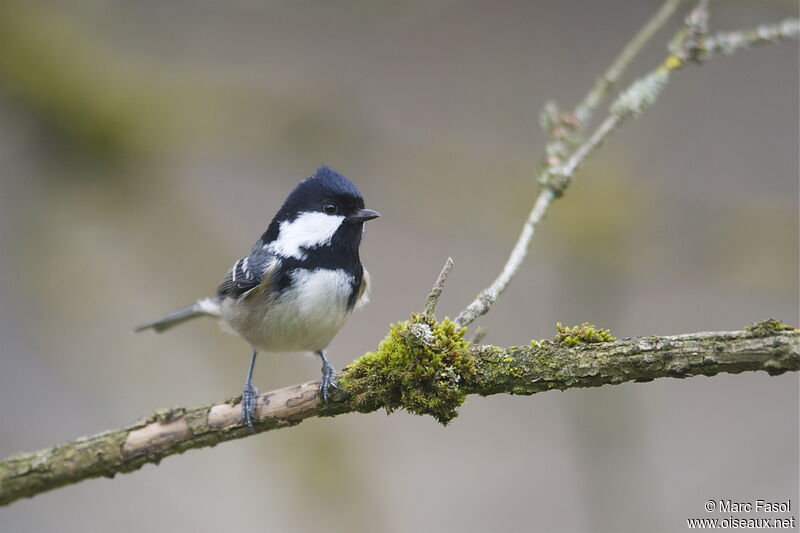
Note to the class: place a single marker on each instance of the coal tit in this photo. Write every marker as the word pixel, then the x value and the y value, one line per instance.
pixel 300 281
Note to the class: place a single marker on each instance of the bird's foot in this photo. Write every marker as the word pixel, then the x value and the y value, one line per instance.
pixel 249 396
pixel 328 380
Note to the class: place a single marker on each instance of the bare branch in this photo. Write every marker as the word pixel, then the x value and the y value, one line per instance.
pixel 606 82
pixel 727 43
pixel 557 150
pixel 561 164
pixel 519 370
pixel 644 92
pixel 433 298
pixel 489 295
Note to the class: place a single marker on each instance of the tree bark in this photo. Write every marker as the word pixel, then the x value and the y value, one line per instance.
pixel 522 370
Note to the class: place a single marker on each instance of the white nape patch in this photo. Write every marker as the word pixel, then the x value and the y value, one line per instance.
pixel 308 230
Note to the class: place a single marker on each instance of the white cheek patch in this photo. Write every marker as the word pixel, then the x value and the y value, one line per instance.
pixel 308 230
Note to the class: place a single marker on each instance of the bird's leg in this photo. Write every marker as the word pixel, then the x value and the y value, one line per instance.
pixel 328 378
pixel 249 395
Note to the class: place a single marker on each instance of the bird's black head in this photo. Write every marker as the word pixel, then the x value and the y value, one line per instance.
pixel 323 209
pixel 326 191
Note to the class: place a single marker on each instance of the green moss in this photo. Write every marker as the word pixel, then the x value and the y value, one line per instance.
pixel 584 334
pixel 768 327
pixel 421 366
pixel 569 337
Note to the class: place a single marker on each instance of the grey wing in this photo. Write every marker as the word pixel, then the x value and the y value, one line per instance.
pixel 247 273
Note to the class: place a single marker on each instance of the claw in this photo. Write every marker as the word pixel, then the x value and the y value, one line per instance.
pixel 249 396
pixel 328 380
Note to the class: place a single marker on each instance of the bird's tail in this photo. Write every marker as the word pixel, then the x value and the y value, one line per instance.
pixel 208 307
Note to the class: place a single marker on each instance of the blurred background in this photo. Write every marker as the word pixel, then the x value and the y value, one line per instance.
pixel 145 145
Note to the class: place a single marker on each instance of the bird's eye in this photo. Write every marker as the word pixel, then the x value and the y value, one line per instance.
pixel 330 209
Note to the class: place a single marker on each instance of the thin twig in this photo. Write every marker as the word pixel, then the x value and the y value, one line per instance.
pixel 606 82
pixel 556 152
pixel 433 297
pixel 696 47
pixel 489 295
pixel 726 43
pixel 566 129
pixel 559 171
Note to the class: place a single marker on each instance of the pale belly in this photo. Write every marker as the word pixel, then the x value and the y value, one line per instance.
pixel 304 318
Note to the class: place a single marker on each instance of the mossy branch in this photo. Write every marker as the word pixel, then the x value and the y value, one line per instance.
pixel 393 378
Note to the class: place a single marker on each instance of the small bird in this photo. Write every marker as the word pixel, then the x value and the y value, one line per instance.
pixel 299 283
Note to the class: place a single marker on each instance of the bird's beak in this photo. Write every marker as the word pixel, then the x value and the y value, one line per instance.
pixel 362 215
